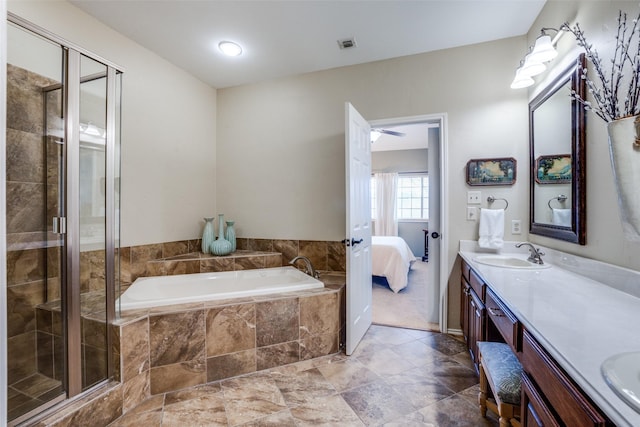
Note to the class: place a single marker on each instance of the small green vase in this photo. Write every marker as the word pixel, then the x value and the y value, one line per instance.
pixel 221 246
pixel 208 235
pixel 230 235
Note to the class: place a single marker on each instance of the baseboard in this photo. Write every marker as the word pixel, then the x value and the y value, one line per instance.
pixel 451 331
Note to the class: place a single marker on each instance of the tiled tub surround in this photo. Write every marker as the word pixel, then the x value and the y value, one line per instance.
pixel 174 347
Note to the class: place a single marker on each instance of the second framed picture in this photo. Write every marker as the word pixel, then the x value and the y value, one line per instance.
pixel 553 169
pixel 498 171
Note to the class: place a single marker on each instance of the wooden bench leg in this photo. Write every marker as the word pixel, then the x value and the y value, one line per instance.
pixel 482 396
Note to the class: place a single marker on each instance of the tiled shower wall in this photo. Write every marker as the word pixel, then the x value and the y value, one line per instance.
pixel 29 261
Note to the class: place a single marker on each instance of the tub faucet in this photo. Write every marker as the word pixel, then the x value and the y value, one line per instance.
pixel 310 270
pixel 536 254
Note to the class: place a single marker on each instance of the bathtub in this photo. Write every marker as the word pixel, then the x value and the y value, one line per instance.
pixel 187 288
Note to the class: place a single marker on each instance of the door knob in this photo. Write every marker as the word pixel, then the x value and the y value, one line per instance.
pixel 355 242
pixel 435 235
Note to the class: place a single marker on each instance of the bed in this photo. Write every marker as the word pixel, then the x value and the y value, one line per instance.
pixel 391 258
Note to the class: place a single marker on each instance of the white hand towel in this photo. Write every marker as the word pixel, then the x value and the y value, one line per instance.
pixel 561 217
pixel 491 228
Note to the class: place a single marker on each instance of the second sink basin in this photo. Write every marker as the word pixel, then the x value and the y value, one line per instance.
pixel 508 261
pixel 622 373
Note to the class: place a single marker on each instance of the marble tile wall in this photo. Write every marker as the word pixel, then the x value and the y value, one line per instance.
pixel 184 257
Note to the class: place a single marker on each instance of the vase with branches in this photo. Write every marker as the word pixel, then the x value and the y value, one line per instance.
pixel 615 91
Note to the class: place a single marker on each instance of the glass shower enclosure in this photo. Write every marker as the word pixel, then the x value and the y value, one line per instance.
pixel 62 181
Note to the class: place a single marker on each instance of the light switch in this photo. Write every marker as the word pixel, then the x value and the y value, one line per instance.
pixel 473 197
pixel 472 213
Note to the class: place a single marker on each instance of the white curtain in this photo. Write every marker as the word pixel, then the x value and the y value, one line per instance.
pixel 386 190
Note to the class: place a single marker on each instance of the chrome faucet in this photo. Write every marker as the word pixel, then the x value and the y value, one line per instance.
pixel 536 254
pixel 310 270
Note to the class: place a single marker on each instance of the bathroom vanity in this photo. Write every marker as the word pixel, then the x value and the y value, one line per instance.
pixel 562 321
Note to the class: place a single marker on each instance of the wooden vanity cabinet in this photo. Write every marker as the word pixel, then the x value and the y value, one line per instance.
pixel 472 311
pixel 550 397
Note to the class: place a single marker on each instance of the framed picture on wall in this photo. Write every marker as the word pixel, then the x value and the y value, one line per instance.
pixel 553 169
pixel 498 171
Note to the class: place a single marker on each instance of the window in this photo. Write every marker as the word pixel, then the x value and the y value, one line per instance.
pixel 412 202
pixel 413 197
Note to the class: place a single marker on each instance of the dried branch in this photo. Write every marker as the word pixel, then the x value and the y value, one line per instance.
pixel 607 87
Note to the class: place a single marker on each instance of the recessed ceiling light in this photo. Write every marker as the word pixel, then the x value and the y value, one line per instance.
pixel 230 48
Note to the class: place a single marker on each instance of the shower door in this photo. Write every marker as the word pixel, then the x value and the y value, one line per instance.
pixel 62 182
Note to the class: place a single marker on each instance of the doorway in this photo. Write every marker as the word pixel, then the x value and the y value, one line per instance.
pixel 62 137
pixel 423 303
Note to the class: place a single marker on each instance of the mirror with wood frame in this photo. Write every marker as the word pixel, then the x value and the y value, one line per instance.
pixel 558 159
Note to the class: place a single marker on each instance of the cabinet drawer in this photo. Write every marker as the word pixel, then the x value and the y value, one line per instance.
pixel 567 400
pixel 477 284
pixel 504 320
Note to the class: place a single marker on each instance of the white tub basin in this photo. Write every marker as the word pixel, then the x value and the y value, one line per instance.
pixel 508 261
pixel 622 374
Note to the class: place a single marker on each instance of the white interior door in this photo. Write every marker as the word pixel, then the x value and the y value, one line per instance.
pixel 358 230
pixel 433 297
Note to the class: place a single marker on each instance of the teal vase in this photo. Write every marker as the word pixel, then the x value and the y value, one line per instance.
pixel 208 235
pixel 230 235
pixel 221 246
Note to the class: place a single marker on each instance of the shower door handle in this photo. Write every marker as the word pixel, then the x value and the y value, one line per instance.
pixel 59 225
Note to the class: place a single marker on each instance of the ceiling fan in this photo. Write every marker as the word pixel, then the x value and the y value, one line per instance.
pixel 376 132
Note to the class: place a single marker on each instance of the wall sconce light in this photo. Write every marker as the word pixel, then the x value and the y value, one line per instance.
pixel 533 64
pixel 543 50
pixel 521 80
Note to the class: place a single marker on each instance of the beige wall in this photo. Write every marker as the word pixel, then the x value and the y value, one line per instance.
pixel 281 143
pixel 605 240
pixel 168 129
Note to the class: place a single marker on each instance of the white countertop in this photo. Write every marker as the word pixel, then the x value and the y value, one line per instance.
pixel 580 319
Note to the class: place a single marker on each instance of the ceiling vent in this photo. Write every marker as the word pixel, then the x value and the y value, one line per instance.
pixel 347 43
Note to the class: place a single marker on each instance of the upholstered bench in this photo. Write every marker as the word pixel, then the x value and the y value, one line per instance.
pixel 501 371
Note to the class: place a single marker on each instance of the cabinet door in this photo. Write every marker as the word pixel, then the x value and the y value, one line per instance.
pixel 569 404
pixel 464 309
pixel 534 410
pixel 476 325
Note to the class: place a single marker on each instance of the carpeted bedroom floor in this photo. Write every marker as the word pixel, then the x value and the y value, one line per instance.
pixel 406 308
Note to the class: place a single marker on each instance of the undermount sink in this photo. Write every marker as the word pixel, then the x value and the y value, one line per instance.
pixel 508 261
pixel 622 373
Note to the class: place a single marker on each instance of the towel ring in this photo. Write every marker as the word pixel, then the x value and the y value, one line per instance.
pixel 492 199
pixel 561 198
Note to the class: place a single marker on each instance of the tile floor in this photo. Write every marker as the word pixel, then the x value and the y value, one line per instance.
pixel 397 377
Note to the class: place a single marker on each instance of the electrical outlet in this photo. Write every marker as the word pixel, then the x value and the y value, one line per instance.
pixel 472 213
pixel 516 226
pixel 473 197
